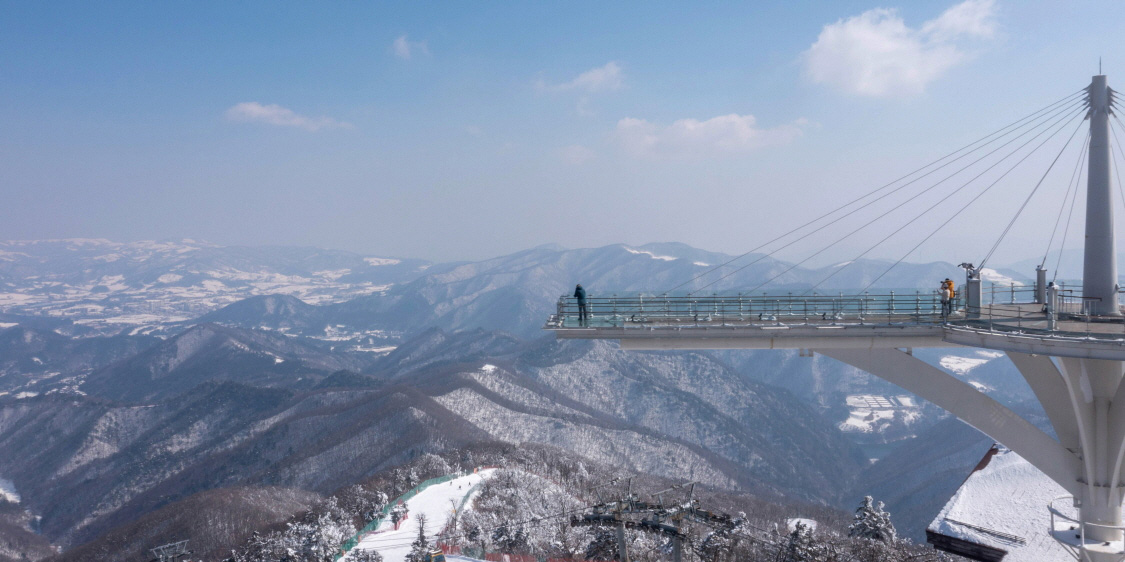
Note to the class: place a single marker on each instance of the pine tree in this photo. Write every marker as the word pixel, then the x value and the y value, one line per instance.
pixel 871 522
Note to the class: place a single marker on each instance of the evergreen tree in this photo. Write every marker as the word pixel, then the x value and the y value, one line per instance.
pixel 871 522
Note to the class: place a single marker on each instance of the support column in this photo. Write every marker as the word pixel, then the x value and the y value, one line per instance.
pixel 1099 271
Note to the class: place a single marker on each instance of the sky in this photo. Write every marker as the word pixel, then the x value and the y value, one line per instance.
pixel 459 131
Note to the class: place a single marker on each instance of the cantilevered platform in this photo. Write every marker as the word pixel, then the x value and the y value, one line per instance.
pixel 885 321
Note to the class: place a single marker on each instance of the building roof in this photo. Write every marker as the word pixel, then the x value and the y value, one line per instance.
pixel 1000 512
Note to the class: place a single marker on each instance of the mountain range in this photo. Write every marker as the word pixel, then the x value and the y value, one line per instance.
pixel 134 376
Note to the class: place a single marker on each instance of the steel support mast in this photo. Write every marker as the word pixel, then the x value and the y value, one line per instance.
pixel 1099 271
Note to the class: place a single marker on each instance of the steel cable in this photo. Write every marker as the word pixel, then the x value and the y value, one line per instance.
pixel 959 211
pixel 1019 211
pixel 1071 185
pixel 931 187
pixel 1048 108
pixel 963 186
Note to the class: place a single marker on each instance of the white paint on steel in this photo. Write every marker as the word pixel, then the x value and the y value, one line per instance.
pixel 1049 386
pixel 1099 271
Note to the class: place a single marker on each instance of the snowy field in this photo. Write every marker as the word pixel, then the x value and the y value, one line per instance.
pixel 436 502
pixel 868 413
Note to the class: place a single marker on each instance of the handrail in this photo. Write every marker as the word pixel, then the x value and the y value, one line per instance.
pixel 1070 318
pixel 1080 553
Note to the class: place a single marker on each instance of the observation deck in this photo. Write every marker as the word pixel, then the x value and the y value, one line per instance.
pixel 1008 319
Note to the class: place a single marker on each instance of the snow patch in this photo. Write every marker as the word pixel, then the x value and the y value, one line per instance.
pixel 792 523
pixel 488 368
pixel 650 254
pixel 381 261
pixel 962 365
pixel 8 491
pixel 4 325
pixel 993 276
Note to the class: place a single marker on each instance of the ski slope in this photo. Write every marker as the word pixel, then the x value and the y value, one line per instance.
pixel 436 502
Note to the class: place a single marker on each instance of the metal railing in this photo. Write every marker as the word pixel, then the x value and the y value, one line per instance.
pixel 618 311
pixel 1078 547
pixel 1004 309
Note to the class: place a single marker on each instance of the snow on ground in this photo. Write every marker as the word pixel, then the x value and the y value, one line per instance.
pixel 381 261
pixel 8 491
pixel 8 325
pixel 437 502
pixel 792 523
pixel 651 255
pixel 961 365
pixel 981 386
pixel 993 276
pixel 488 368
pixel 868 412
pixel 865 421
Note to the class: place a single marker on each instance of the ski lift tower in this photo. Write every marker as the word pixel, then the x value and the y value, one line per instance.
pixel 1070 350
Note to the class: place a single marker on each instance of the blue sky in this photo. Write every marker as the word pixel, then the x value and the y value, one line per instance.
pixel 467 130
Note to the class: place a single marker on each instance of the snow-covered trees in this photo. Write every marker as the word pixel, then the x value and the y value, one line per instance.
pixel 420 548
pixel 314 537
pixel 871 522
pixel 509 540
pixel 364 556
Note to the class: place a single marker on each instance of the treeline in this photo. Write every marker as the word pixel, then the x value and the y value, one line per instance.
pixel 525 509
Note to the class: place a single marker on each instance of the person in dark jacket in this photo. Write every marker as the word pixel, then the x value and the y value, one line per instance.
pixel 583 315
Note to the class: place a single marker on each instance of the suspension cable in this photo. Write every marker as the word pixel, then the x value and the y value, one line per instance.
pixel 1018 122
pixel 1070 185
pixel 1066 230
pixel 895 208
pixel 931 187
pixel 959 211
pixel 1029 196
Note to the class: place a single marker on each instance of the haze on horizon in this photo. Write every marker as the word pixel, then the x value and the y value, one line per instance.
pixel 471 131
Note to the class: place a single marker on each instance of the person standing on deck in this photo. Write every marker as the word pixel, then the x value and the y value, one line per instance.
pixel 583 315
pixel 944 293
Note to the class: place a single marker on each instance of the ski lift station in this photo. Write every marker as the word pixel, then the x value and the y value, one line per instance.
pixel 1067 341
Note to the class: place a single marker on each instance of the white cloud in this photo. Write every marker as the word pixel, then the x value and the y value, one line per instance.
pixel 273 114
pixel 725 134
pixel 605 78
pixel 405 49
pixel 877 54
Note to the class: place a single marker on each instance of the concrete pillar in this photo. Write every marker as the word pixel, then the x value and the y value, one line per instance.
pixel 972 297
pixel 1040 285
pixel 1099 271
